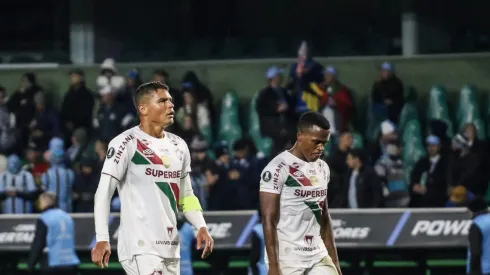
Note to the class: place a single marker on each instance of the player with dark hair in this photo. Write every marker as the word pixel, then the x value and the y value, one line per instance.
pixel 293 193
pixel 150 169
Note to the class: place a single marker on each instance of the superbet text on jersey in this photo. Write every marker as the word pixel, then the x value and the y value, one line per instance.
pixel 303 189
pixel 149 172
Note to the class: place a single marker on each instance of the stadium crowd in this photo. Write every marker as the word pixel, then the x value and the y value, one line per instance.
pixel 63 150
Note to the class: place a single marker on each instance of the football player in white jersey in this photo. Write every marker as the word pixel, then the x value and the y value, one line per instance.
pixel 150 169
pixel 293 192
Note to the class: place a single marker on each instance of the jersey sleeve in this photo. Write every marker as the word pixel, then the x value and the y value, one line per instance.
pixel 117 158
pixel 273 178
pixel 186 163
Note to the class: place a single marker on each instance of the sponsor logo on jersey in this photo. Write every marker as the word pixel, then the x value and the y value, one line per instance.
pixel 122 147
pixel 145 142
pixel 296 165
pixel 170 231
pixel 162 174
pixel 309 239
pixel 276 175
pixel 435 228
pixel 299 176
pixel 20 234
pixel 310 193
pixel 166 242
pixel 166 161
pixel 148 153
pixel 314 180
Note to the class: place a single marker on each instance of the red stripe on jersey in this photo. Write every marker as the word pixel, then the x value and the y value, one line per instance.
pixel 148 153
pixel 176 190
pixel 299 176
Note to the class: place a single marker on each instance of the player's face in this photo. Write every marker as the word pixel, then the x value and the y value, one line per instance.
pixel 312 142
pixel 161 108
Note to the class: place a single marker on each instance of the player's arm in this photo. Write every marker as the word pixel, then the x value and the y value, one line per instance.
pixel 192 209
pixel 271 184
pixel 113 171
pixel 328 236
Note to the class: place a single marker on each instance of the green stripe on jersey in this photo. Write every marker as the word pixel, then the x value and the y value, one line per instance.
pixel 165 187
pixel 138 159
pixel 291 182
pixel 317 211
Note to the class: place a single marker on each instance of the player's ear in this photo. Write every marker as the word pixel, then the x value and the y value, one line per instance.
pixel 299 135
pixel 143 109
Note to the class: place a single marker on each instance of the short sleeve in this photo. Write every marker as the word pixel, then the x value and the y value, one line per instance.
pixel 186 163
pixel 117 158
pixel 272 178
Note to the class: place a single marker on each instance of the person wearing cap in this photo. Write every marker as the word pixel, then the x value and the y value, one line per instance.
pixel 78 104
pixel 387 93
pixel 478 261
pixel 337 98
pixel 17 188
pixel 464 167
pixel 46 123
pixel 125 96
pixel 34 163
pixel 428 186
pixel 388 134
pixel 273 107
pixel 112 117
pixel 109 77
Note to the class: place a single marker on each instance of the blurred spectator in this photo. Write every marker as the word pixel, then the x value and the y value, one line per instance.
pixel 188 131
pixel 200 162
pixel 337 161
pixel 464 167
pixel 272 106
pixel 85 186
pixel 21 104
pixel 45 124
pixel 112 117
pixel 217 179
pixel 244 174
pixel 162 76
pixel 388 134
pixel 363 188
pixel 7 129
pixel 198 111
pixel 17 188
pixel 478 147
pixel 125 96
pixel 34 162
pixel 3 163
pixel 459 197
pixel 77 107
pixel 109 77
pixel 303 72
pixel 79 144
pixel 100 149
pixel 387 93
pixel 390 170
pixel 202 94
pixel 59 180
pixel 428 180
pixel 339 108
pixel 438 128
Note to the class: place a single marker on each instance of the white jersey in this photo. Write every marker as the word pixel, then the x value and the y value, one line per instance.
pixel 303 189
pixel 149 171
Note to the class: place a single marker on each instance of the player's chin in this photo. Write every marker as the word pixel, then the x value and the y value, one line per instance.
pixel 315 156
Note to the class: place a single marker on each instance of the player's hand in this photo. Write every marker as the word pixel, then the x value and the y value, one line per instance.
pixel 274 269
pixel 101 253
pixel 203 236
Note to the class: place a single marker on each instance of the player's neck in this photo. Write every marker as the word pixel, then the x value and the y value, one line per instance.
pixel 297 153
pixel 153 130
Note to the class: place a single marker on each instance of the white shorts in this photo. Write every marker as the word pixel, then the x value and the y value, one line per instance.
pixel 317 267
pixel 151 265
